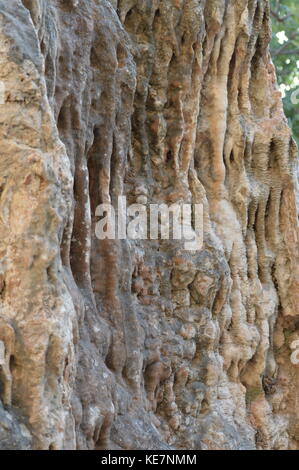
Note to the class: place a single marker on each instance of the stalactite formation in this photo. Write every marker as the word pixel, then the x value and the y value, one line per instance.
pixel 140 344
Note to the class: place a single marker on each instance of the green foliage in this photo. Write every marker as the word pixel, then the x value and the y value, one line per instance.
pixel 285 54
pixel 292 113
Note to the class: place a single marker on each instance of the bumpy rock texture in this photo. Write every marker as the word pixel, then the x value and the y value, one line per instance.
pixel 142 344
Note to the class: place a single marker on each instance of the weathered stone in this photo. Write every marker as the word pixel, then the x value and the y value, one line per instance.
pixel 139 344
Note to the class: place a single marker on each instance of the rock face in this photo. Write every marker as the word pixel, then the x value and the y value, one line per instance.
pixel 141 344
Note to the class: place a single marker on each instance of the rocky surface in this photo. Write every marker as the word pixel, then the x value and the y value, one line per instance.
pixel 139 344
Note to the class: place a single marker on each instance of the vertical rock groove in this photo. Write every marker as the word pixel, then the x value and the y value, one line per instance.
pixel 139 344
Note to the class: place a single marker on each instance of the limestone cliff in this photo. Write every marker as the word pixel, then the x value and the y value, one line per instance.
pixel 140 344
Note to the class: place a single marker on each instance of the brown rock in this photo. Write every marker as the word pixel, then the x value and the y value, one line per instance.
pixel 100 340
